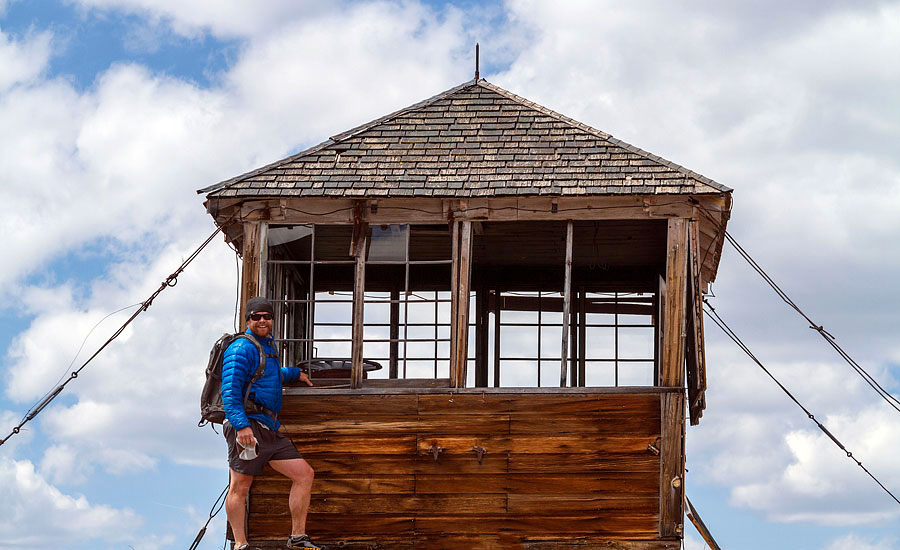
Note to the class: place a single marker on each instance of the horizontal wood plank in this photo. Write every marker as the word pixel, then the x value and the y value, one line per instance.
pixel 587 462
pixel 530 444
pixel 563 504
pixel 612 484
pixel 398 504
pixel 383 425
pixel 622 524
pixel 346 463
pixel 359 485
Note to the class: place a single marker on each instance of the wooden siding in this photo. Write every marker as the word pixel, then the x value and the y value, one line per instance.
pixel 560 470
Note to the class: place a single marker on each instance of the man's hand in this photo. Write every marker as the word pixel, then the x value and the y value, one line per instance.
pixel 305 379
pixel 245 437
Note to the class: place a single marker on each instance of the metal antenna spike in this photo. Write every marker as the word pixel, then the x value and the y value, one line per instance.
pixel 476 61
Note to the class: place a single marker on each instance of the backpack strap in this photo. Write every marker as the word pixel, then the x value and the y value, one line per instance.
pixel 252 405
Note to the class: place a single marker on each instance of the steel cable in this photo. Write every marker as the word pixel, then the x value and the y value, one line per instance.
pixel 170 281
pixel 717 319
pixel 869 379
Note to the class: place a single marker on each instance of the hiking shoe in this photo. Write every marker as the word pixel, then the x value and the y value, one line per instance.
pixel 246 546
pixel 298 542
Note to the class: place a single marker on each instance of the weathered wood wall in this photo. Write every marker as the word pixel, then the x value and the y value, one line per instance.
pixel 563 470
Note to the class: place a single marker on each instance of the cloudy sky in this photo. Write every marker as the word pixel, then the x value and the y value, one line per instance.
pixel 113 112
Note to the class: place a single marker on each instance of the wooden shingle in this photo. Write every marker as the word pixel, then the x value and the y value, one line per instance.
pixel 473 140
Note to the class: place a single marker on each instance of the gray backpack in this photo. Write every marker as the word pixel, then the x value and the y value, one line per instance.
pixel 211 409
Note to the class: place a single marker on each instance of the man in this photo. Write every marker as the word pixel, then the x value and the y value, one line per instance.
pixel 257 427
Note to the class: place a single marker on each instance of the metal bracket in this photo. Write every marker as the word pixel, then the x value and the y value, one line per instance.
pixel 480 451
pixel 435 450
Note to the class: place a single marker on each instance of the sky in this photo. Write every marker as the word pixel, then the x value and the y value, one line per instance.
pixel 114 112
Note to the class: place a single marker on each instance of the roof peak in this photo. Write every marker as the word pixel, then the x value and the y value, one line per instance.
pixel 472 113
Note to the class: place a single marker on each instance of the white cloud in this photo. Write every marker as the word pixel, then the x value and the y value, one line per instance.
pixel 228 19
pixel 140 144
pixel 37 514
pixel 138 400
pixel 853 541
pixel 22 61
pixel 819 473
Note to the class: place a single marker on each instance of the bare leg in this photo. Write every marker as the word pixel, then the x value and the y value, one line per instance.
pixel 235 505
pixel 301 474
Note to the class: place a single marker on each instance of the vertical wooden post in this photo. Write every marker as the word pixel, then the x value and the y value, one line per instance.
pixel 497 309
pixel 262 277
pixel 481 337
pixel 567 299
pixel 573 342
pixel 671 467
pixel 454 283
pixel 462 305
pixel 672 371
pixel 393 370
pixel 359 293
pixel 582 337
pixel 250 267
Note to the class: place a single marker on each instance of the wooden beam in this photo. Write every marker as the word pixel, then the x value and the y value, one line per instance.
pixel 573 339
pixel 701 527
pixel 496 303
pixel 359 292
pixel 672 372
pixel 628 207
pixel 454 295
pixel 263 257
pixel 250 267
pixel 481 337
pixel 567 305
pixel 462 303
pixel 582 338
pixel 635 306
pixel 393 368
pixel 671 467
pixel 694 352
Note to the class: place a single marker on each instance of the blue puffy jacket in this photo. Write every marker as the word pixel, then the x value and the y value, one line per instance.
pixel 238 365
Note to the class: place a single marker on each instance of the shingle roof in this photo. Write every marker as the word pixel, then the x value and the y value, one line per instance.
pixel 473 140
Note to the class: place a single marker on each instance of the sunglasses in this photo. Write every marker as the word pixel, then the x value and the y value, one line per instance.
pixel 261 316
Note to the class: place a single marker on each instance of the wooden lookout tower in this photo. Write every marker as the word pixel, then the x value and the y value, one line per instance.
pixel 501 310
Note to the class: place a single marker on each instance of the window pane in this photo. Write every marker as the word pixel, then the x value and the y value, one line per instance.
pixel 636 374
pixel 387 243
pixel 418 369
pixel 518 342
pixel 636 343
pixel 600 342
pixel 519 374
pixel 333 242
pixel 550 371
pixel 600 374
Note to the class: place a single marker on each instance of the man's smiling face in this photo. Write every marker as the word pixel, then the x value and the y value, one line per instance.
pixel 260 324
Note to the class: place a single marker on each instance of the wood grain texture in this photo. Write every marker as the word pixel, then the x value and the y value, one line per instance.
pixel 671 472
pixel 570 468
pixel 250 267
pixel 484 542
pixel 674 325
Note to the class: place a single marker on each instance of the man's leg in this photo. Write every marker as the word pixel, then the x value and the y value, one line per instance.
pixel 235 505
pixel 301 475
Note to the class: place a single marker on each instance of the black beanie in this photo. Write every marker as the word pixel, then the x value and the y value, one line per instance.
pixel 259 305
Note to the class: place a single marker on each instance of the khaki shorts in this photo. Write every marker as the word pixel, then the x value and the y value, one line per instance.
pixel 271 446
